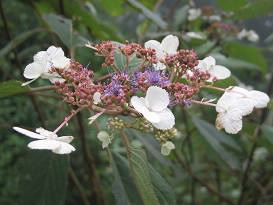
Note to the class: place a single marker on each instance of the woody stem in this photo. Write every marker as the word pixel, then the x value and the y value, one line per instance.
pixel 203 103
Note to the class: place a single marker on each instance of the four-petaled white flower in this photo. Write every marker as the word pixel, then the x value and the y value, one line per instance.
pixel 96 98
pixel 168 46
pixel 194 13
pixel 236 103
pixel 48 140
pixel 217 72
pixel 105 138
pixel 250 35
pixel 167 147
pixel 43 61
pixel 154 107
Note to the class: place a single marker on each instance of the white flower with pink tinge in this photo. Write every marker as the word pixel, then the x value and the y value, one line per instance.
pixel 217 72
pixel 48 140
pixel 43 61
pixel 236 103
pixel 168 46
pixel 154 107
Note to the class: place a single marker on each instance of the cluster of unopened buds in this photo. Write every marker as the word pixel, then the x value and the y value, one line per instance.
pixel 152 80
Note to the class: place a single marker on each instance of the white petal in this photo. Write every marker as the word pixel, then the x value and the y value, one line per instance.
pixel 105 138
pixel 153 44
pixel 166 120
pixel 94 117
pixel 56 79
pixel 55 52
pixel 139 104
pixel 227 121
pixel 44 144
pixel 46 133
pixel 66 139
pixel 210 61
pixel 40 56
pixel 157 99
pixel 167 147
pixel 28 82
pixel 170 44
pixel 64 148
pixel 61 62
pixel 260 99
pixel 33 70
pixel 28 133
pixel 220 72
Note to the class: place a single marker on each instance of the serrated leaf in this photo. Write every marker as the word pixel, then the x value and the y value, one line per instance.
pixel 44 179
pixel 123 188
pixel 148 13
pixel 140 171
pixel 151 145
pixel 18 40
pixel 218 141
pixel 12 87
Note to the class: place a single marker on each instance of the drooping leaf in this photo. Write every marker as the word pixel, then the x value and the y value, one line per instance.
pixel 231 5
pixel 123 188
pixel 148 13
pixel 140 171
pixel 247 53
pixel 151 145
pixel 219 142
pixel 254 9
pixel 43 179
pixel 12 87
pixel 18 40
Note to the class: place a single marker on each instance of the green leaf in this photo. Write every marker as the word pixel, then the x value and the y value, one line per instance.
pixel 205 48
pixel 180 16
pixel 119 59
pixel 247 53
pixel 123 188
pixel 163 190
pixel 12 87
pixel 218 141
pixel 125 191
pixel 234 63
pixel 18 40
pixel 149 14
pixel 140 171
pixel 134 63
pixel 115 9
pixel 231 5
pixel 254 9
pixel 43 179
pixel 268 133
pixel 151 145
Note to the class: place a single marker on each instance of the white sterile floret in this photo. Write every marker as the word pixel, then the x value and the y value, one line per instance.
pixel 231 110
pixel 105 138
pixel 43 61
pixel 167 147
pixel 48 140
pixel 154 107
pixel 96 98
pixel 168 46
pixel 258 98
pixel 236 103
pixel 250 35
pixel 194 13
pixel 208 64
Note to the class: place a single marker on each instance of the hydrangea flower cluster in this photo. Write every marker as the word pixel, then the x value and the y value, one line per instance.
pixel 151 81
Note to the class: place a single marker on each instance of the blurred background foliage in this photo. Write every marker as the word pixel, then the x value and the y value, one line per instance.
pixel 208 166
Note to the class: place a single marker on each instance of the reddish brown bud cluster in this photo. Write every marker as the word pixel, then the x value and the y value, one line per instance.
pixel 129 49
pixel 181 93
pixel 106 49
pixel 78 88
pixel 197 77
pixel 147 54
pixel 182 61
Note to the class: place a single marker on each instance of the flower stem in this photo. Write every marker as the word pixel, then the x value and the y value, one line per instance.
pixel 66 119
pixel 203 103
pixel 214 88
